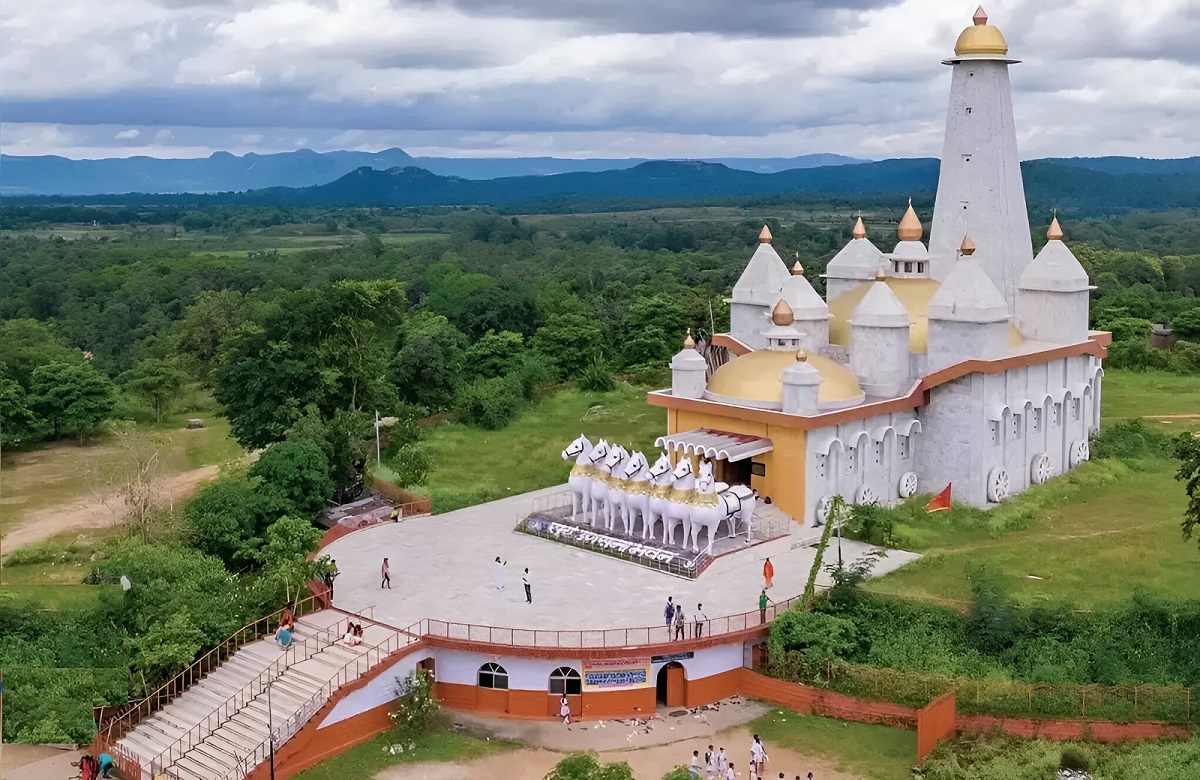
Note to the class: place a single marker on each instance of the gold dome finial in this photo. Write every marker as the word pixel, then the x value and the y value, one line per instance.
pixel 689 342
pixel 881 275
pixel 782 314
pixel 764 236
pixel 801 356
pixel 860 230
pixel 910 228
pixel 797 269
pixel 967 248
pixel 1055 232
pixel 980 38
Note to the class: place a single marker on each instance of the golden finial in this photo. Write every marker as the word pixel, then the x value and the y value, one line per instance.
pixel 1055 232
pixel 689 342
pixel 980 16
pixel 910 228
pixel 801 356
pixel 881 275
pixel 860 231
pixel 797 269
pixel 980 39
pixel 782 315
pixel 764 237
pixel 968 247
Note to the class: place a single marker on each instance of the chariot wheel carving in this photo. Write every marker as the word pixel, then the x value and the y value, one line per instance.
pixel 908 485
pixel 1080 451
pixel 997 485
pixel 866 496
pixel 1040 469
pixel 822 511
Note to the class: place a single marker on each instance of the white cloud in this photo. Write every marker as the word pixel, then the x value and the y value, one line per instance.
pixel 126 135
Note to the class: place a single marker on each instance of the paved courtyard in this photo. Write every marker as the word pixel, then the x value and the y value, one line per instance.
pixel 442 568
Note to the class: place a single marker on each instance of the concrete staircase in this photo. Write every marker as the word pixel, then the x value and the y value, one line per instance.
pixel 219 728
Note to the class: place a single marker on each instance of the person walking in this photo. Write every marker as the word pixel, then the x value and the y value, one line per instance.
pixel 698 618
pixel 694 766
pixel 722 763
pixel 498 573
pixel 669 614
pixel 680 623
pixel 387 576
pixel 330 576
pixel 564 710
pixel 729 773
pixel 762 606
pixel 758 756
pixel 768 573
pixel 528 587
pixel 710 763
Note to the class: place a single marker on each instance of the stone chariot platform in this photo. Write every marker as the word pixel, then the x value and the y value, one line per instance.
pixel 551 520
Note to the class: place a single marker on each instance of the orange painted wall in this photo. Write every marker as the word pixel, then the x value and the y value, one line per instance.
pixel 618 704
pixel 935 722
pixel 707 690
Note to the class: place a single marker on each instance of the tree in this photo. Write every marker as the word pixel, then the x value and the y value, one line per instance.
pixel 1187 324
pixel 72 397
pixel 428 363
pixel 156 380
pixel 587 766
pixel 571 341
pixel 26 344
pixel 495 354
pixel 1187 451
pixel 226 519
pixel 490 403
pixel 17 420
pixel 294 478
pixel 284 556
pixel 204 326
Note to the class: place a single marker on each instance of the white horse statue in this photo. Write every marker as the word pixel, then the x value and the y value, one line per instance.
pixel 600 476
pixel 614 507
pixel 733 506
pixel 678 509
pixel 582 475
pixel 662 481
pixel 637 493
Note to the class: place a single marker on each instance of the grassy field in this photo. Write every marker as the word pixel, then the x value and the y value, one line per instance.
pixel 1118 519
pixel 363 761
pixel 472 465
pixel 874 752
pixel 57 597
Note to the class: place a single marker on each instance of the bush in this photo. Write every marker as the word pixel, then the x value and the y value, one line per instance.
pixel 597 378
pixel 416 706
pixel 490 403
pixel 295 478
pixel 410 464
pixel 1074 758
pixel 586 766
pixel 678 773
pixel 1131 439
pixel 819 636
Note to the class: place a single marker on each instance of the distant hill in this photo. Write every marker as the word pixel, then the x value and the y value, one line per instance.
pixel 1122 165
pixel 225 172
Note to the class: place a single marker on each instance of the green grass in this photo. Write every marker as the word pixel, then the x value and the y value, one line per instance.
pixel 363 761
pixel 871 751
pixel 1092 536
pixel 55 597
pixel 472 465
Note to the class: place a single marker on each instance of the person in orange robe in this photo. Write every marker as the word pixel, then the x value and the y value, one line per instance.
pixel 768 573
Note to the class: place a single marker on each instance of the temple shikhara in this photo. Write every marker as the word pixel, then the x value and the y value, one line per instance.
pixel 965 361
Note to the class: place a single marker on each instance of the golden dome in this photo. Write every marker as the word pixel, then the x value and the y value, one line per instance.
pixel 758 377
pixel 783 314
pixel 860 230
pixel 910 228
pixel 797 269
pixel 967 248
pixel 980 38
pixel 764 236
pixel 1055 232
pixel 914 294
pixel 689 342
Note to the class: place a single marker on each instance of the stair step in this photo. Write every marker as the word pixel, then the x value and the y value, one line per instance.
pixel 195 769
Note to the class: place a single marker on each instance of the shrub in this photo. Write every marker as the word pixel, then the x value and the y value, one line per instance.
pixel 1130 439
pixel 416 706
pixel 410 464
pixel 1074 758
pixel 586 766
pixel 597 378
pixel 817 635
pixel 490 403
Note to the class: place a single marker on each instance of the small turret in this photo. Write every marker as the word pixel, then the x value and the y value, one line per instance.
pixel 756 292
pixel 910 258
pixel 1052 298
pixel 856 263
pixel 879 331
pixel 783 334
pixel 968 317
pixel 810 312
pixel 688 370
pixel 801 386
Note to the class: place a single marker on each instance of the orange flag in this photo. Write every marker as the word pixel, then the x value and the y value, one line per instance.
pixel 940 502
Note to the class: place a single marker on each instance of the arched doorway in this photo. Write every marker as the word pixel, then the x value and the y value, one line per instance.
pixel 670 684
pixel 565 681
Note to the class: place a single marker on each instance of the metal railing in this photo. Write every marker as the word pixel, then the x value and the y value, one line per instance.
pixel 294 654
pixel 121 724
pixel 352 670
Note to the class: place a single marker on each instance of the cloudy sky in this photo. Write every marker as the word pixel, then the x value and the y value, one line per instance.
pixel 582 78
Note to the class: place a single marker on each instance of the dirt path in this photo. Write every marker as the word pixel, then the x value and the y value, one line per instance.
pixel 90 513
pixel 649 763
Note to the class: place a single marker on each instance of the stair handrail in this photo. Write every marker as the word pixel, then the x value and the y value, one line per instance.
pixel 254 687
pixel 121 724
pixel 289 727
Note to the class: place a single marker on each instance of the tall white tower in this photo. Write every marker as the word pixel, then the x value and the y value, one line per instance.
pixel 980 191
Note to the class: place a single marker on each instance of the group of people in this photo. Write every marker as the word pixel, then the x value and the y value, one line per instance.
pixel 715 765
pixel 95 767
pixel 677 621
pixel 498 579
pixel 353 635
pixel 287 627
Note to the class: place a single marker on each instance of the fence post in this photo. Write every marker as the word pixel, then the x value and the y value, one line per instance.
pixel 1029 693
pixel 1083 697
pixel 1135 702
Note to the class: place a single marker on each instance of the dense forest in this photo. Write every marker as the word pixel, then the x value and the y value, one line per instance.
pixel 321 317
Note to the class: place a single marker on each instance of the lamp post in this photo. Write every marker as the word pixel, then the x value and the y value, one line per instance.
pixel 270 730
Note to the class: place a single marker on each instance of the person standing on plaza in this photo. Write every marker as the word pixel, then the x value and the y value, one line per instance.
pixel 758 756
pixel 528 587
pixel 669 614
pixel 564 709
pixel 729 773
pixel 698 619
pixel 710 763
pixel 768 573
pixel 762 605
pixel 694 766
pixel 330 576
pixel 498 573
pixel 680 623
pixel 722 763
pixel 386 571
